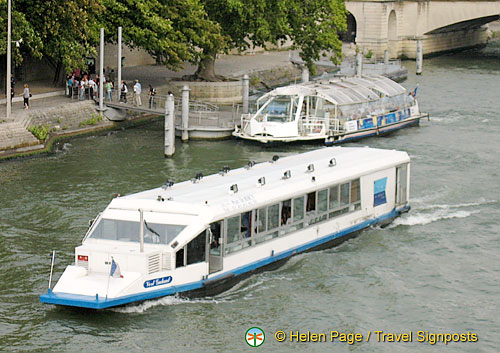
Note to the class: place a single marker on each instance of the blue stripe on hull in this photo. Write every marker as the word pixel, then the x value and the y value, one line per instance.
pixel 373 131
pixel 94 302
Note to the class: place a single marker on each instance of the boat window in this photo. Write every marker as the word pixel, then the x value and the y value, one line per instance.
pixel 344 194
pixel 286 212
pixel 355 197
pixel 233 229
pixel 298 209
pixel 196 249
pixel 323 200
pixel 311 202
pixel 245 224
pixel 273 216
pixel 261 220
pixel 334 197
pixel 281 109
pixel 179 258
pixel 154 233
pixel 216 238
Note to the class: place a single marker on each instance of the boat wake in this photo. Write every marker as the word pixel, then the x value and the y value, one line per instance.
pixel 426 214
pixel 165 301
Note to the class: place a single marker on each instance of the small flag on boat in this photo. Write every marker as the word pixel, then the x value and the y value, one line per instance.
pixel 414 92
pixel 115 269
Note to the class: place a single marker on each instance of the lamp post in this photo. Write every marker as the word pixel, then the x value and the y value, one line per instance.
pixel 8 87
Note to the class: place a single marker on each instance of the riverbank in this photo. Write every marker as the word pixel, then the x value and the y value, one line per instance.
pixel 59 117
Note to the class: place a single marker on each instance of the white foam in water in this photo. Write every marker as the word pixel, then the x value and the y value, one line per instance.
pixel 425 213
pixel 165 301
pixel 460 205
pixel 426 218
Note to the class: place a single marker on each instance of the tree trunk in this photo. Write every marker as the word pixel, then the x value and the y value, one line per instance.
pixel 206 69
pixel 57 74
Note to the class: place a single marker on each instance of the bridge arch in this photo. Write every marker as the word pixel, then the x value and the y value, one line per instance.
pixel 392 35
pixel 350 34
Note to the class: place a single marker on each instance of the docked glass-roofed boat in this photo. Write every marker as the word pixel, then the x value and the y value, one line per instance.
pixel 199 237
pixel 336 110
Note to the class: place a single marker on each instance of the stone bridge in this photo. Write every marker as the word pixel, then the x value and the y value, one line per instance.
pixel 442 25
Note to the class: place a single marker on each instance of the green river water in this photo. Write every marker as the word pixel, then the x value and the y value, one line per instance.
pixel 434 269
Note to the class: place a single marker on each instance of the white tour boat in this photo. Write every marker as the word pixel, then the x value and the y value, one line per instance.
pixel 337 110
pixel 199 237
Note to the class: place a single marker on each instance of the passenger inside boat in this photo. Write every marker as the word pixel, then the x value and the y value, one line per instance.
pixel 216 235
pixel 286 212
pixel 311 202
pixel 245 224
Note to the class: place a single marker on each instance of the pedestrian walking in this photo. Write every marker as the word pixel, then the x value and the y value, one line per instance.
pixel 92 88
pixel 152 94
pixel 109 90
pixel 12 85
pixel 71 80
pixel 123 92
pixel 26 96
pixel 137 93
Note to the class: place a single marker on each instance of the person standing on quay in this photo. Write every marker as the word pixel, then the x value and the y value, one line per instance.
pixel 137 93
pixel 26 96
pixel 123 92
pixel 109 90
pixel 12 85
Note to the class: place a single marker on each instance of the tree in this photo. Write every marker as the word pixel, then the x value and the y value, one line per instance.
pixel 172 32
pixel 22 33
pixel 312 25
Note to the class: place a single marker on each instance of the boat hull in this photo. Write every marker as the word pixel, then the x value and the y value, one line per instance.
pixel 338 138
pixel 225 280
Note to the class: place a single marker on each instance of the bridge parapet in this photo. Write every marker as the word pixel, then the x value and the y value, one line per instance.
pixel 442 25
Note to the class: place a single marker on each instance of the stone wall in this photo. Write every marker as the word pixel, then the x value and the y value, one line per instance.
pixel 64 117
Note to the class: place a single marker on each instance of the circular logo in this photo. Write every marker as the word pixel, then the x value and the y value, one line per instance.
pixel 254 337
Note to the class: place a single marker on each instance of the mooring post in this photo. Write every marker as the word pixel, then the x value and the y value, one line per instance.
pixel 101 72
pixel 420 56
pixel 245 92
pixel 386 57
pixel 305 74
pixel 119 68
pixel 169 127
pixel 185 113
pixel 359 65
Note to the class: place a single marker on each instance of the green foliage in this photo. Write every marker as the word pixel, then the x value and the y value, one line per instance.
pixel 369 54
pixel 254 81
pixel 94 120
pixel 41 132
pixel 174 31
pixel 171 31
pixel 64 32
pixel 312 25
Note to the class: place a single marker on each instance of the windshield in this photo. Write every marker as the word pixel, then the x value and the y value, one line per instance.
pixel 280 109
pixel 154 233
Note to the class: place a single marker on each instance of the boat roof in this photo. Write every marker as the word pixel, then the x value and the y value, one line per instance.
pixel 212 194
pixel 344 90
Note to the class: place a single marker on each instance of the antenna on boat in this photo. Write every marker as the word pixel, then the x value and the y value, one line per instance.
pixel 224 170
pixel 168 184
pixel 333 162
pixel 234 188
pixel 310 168
pixel 287 175
pixel 197 178
pixel 262 181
